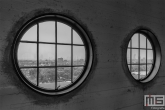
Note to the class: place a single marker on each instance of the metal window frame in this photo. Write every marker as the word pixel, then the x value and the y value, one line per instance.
pixel 74 26
pixel 156 54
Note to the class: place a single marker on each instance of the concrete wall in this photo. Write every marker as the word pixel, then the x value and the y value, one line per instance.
pixel 108 22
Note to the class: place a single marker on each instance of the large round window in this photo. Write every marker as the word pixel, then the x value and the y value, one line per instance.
pixel 143 55
pixel 52 54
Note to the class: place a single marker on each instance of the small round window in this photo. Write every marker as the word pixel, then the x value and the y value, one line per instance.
pixel 52 54
pixel 143 56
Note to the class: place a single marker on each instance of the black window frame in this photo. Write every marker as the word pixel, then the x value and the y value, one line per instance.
pixel 156 53
pixel 74 26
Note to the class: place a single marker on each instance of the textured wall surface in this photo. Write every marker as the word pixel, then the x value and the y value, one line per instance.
pixel 108 22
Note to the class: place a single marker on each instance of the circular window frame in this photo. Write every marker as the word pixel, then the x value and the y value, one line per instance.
pixel 156 54
pixel 75 26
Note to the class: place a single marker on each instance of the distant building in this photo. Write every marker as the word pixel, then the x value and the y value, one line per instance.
pixel 79 62
pixel 60 61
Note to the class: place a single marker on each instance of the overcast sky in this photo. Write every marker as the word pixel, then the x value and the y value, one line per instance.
pixel 47 51
pixel 135 44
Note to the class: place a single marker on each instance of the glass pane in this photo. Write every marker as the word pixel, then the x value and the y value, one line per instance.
pixel 149 56
pixel 63 55
pixel 135 41
pixel 47 78
pixel 30 74
pixel 149 44
pixel 128 56
pixel 142 56
pixel 31 34
pixel 135 54
pixel 142 41
pixel 76 38
pixel 142 71
pixel 134 71
pixel 149 67
pixel 77 72
pixel 46 55
pixel 47 31
pixel 27 54
pixel 63 33
pixel 78 55
pixel 63 76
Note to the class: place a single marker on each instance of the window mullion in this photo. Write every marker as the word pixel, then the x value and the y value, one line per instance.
pixel 131 56
pixel 146 56
pixel 56 55
pixel 37 54
pixel 139 56
pixel 71 55
pixel 50 77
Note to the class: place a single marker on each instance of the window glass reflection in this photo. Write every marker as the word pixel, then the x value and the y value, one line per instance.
pixel 63 76
pixel 27 54
pixel 47 78
pixel 47 31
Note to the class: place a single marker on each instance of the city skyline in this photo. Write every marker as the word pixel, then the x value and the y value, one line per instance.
pixel 28 51
pixel 143 46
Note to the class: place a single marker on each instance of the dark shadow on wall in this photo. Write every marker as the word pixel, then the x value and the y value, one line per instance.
pixel 124 46
pixel 34 97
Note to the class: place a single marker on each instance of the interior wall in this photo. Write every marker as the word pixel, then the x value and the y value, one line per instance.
pixel 108 23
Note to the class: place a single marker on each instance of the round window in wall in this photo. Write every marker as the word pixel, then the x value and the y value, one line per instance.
pixel 52 54
pixel 143 55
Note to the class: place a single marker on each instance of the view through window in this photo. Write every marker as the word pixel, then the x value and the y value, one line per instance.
pixel 52 55
pixel 140 56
